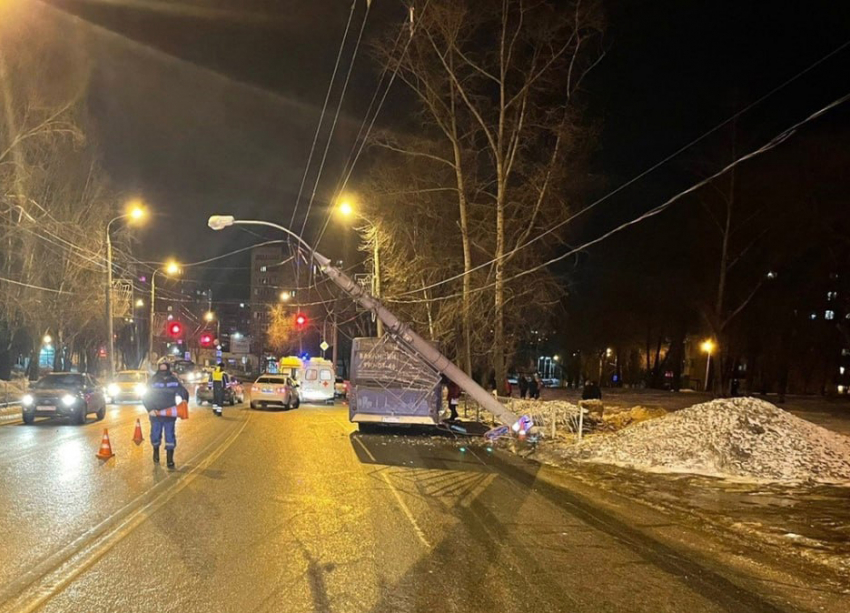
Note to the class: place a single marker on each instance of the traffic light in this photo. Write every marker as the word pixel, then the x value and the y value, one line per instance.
pixel 300 321
pixel 206 339
pixel 175 329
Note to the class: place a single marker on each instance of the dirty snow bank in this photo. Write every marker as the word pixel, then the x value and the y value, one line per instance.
pixel 739 437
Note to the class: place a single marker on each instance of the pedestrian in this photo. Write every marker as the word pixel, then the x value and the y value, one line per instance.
pixel 534 387
pixel 591 391
pixel 161 400
pixel 218 380
pixel 523 386
pixel 453 395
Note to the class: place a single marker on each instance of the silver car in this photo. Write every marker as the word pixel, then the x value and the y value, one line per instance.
pixel 274 391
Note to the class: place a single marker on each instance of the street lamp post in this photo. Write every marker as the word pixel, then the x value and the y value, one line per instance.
pixel 135 213
pixel 347 210
pixel 707 346
pixel 403 332
pixel 171 268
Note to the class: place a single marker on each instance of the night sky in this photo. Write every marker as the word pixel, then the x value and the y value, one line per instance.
pixel 210 106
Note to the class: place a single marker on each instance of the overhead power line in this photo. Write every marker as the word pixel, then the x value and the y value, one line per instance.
pixel 774 142
pixel 322 114
pixel 637 177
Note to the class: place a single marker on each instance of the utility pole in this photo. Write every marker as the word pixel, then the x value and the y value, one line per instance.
pixel 150 322
pixel 109 324
pixel 400 331
pixel 335 341
pixel 376 273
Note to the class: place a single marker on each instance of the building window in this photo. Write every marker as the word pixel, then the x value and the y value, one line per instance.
pixel 829 314
pixel 263 268
pixel 831 295
pixel 813 316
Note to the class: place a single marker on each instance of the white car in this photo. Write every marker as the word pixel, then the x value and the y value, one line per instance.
pixel 274 391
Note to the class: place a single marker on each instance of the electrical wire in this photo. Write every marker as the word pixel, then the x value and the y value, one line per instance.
pixel 336 117
pixel 640 175
pixel 322 115
pixel 350 170
pixel 774 142
pixel 38 287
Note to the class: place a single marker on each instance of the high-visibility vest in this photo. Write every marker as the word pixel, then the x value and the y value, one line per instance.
pixel 218 375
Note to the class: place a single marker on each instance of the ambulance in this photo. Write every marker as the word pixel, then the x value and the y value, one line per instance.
pixel 315 377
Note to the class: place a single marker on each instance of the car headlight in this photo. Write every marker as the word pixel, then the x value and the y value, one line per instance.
pixel 68 400
pixel 141 389
pixel 113 390
pixel 27 400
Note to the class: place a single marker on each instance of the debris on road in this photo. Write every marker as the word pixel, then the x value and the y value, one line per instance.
pixel 737 437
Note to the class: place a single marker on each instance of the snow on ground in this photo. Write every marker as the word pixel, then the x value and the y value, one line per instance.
pixel 738 437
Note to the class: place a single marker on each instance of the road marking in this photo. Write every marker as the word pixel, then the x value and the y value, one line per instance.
pixel 397 495
pixel 74 559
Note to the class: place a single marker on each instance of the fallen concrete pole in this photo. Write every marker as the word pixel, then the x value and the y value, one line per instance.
pixel 404 334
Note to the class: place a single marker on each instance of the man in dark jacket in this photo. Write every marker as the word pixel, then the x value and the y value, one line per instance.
pixel 523 386
pixel 161 400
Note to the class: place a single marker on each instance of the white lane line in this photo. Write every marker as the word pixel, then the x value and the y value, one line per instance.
pixel 401 504
pixel 60 569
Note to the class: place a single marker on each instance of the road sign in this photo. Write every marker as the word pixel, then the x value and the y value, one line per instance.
pixel 324 346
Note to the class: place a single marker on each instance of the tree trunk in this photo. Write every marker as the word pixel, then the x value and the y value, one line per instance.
pixel 499 291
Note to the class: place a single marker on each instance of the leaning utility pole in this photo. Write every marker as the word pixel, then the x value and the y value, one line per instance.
pixel 392 324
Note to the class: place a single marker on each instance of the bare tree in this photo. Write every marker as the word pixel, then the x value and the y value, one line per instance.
pixel 282 336
pixel 508 117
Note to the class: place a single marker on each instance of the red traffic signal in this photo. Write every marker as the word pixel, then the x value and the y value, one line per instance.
pixel 300 320
pixel 206 340
pixel 175 329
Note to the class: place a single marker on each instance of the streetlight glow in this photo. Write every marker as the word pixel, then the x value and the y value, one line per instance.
pixel 284 296
pixel 345 208
pixel 47 339
pixel 707 346
pixel 172 268
pixel 209 315
pixel 140 303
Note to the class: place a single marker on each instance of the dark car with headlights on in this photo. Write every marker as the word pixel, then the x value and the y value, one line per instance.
pixel 64 394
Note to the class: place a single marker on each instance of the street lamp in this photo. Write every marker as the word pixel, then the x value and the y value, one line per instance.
pixel 285 296
pixel 209 316
pixel 135 212
pixel 47 339
pixel 408 336
pixel 708 347
pixel 347 210
pixel 171 268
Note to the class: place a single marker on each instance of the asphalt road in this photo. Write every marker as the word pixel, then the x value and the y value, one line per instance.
pixel 296 511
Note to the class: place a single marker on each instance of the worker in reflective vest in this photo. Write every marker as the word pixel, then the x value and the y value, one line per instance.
pixel 218 379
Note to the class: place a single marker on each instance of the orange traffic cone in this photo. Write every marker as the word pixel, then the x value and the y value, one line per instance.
pixel 105 448
pixel 137 435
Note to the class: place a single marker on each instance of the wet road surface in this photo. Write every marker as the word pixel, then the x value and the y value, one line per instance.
pixel 296 511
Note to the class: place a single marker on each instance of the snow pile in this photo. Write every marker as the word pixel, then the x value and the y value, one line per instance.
pixel 617 419
pixel 738 437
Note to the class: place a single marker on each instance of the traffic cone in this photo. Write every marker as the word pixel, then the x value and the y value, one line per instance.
pixel 105 447
pixel 137 435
